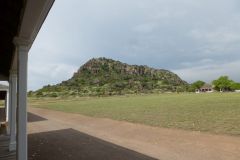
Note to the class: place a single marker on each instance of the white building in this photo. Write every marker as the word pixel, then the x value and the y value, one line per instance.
pixel 4 96
pixel 206 88
pixel 20 21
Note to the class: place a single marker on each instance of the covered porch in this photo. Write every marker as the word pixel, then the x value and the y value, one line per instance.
pixel 20 23
pixel 4 137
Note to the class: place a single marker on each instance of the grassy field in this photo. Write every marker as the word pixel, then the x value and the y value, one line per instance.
pixel 214 113
pixel 1 104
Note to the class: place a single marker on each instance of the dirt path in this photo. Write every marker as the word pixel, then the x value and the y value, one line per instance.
pixel 160 143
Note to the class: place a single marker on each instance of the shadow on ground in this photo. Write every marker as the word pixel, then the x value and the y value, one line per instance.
pixel 69 144
pixel 35 118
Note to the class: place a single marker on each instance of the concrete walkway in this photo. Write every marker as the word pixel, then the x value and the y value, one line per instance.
pixel 140 141
pixel 5 154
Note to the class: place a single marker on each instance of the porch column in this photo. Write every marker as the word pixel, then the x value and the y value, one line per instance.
pixel 22 52
pixel 8 117
pixel 13 106
pixel 6 106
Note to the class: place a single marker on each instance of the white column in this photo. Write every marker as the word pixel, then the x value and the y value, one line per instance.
pixel 8 99
pixel 22 103
pixel 6 106
pixel 13 106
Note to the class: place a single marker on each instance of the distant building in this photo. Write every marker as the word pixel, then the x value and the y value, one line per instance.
pixel 3 87
pixel 206 88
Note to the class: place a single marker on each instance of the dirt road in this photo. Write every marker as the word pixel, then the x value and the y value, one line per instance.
pixel 136 141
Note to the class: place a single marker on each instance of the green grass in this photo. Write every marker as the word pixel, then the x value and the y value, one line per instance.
pixel 2 104
pixel 215 113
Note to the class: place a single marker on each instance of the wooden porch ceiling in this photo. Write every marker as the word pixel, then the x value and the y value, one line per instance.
pixel 10 13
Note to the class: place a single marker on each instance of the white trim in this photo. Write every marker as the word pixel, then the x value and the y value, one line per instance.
pixel 45 10
pixel 24 43
pixel 34 15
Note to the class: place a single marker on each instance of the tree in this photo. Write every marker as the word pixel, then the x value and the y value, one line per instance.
pixel 223 83
pixel 196 85
pixel 235 86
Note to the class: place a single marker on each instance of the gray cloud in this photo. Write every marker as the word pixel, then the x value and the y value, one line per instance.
pixel 184 36
pixel 209 72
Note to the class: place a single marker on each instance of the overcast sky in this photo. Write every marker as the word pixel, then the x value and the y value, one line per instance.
pixel 197 39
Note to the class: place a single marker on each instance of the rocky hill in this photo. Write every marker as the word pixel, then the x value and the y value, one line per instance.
pixel 102 76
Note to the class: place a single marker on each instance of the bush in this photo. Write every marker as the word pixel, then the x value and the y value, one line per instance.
pixel 54 94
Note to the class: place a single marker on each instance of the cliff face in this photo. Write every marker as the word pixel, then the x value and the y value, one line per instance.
pixel 102 76
pixel 102 67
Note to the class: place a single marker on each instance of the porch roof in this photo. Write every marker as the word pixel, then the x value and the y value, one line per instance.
pixel 20 22
pixel 9 24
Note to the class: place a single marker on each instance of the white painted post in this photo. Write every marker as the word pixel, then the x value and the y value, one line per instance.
pixel 9 108
pixel 6 106
pixel 13 105
pixel 22 103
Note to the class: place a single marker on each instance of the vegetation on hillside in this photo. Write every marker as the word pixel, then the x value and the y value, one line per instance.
pixel 102 76
pixel 106 77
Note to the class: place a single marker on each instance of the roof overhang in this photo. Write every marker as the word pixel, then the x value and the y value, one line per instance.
pixel 9 23
pixel 20 22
